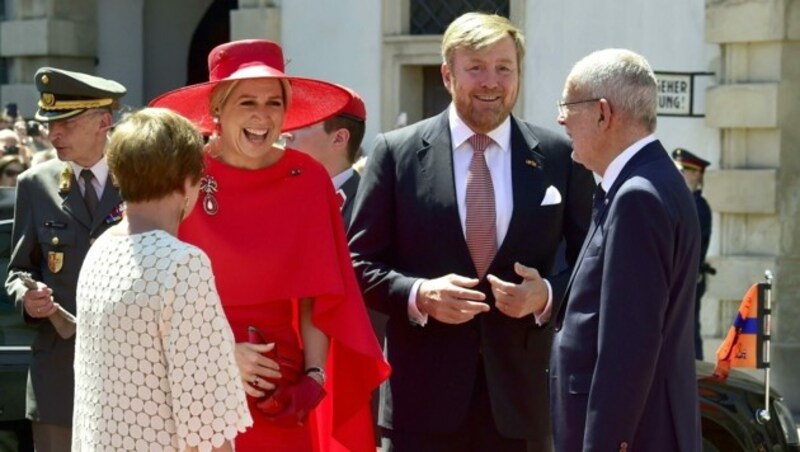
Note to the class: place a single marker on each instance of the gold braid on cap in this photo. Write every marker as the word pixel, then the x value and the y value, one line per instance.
pixel 48 102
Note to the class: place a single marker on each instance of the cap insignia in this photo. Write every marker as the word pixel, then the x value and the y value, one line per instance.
pixel 45 79
pixel 48 99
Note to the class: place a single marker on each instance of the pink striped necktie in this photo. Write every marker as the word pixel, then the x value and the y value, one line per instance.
pixel 481 228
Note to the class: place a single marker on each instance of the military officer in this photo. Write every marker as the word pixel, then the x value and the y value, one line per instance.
pixel 62 205
pixel 693 167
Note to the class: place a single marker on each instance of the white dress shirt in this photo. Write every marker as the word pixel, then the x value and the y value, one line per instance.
pixel 498 159
pixel 339 179
pixel 616 165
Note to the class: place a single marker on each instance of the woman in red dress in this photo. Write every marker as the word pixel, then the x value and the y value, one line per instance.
pixel 269 220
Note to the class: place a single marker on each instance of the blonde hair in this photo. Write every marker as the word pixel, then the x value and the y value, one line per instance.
pixel 477 31
pixel 152 152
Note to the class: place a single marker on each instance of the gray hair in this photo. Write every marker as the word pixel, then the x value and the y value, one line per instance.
pixel 622 77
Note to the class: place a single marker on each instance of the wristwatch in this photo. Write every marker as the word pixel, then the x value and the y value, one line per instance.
pixel 317 370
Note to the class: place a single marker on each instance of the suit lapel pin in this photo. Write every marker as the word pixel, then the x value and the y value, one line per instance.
pixel 531 163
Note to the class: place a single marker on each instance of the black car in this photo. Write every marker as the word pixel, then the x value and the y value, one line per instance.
pixel 728 413
pixel 728 409
pixel 15 340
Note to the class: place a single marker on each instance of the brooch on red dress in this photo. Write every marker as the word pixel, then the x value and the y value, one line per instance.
pixel 208 185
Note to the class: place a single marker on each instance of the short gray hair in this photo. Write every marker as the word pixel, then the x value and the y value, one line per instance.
pixel 622 77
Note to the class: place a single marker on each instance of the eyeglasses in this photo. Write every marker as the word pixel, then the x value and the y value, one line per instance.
pixel 562 106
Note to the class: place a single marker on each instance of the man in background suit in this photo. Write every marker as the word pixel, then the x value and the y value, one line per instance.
pixel 336 143
pixel 622 367
pixel 456 218
pixel 60 210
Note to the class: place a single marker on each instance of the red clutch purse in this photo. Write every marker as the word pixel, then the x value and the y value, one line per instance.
pixel 290 364
pixel 295 394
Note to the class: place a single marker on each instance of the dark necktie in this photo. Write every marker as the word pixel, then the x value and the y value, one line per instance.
pixel 89 195
pixel 598 202
pixel 481 229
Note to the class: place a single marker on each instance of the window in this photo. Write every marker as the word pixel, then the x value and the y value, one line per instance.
pixel 431 17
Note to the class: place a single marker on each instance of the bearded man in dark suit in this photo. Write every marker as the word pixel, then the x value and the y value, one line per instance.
pixel 456 219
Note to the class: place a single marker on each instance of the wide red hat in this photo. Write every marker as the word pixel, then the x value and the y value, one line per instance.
pixel 311 100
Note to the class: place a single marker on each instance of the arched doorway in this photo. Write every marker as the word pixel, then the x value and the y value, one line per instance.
pixel 214 29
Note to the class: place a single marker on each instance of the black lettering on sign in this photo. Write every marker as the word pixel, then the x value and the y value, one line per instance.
pixel 670 102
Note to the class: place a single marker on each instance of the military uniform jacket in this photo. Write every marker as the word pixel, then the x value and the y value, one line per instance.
pixel 52 234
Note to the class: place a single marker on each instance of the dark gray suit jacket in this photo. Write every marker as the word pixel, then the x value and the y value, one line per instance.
pixel 406 226
pixel 47 221
pixel 623 357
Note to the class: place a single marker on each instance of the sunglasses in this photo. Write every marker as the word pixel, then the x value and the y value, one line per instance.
pixel 11 173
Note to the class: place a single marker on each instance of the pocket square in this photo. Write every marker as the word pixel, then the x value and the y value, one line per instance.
pixel 551 197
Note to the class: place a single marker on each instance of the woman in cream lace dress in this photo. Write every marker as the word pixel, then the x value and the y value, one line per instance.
pixel 154 363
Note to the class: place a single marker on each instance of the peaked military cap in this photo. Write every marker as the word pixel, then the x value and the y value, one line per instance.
pixel 687 160
pixel 64 94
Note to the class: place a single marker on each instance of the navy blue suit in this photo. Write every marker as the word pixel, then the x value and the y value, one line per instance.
pixel 406 226
pixel 622 367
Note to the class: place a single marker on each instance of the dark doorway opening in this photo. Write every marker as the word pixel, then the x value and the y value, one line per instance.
pixel 435 97
pixel 214 29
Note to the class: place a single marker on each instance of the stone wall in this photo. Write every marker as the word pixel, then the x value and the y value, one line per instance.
pixel 756 191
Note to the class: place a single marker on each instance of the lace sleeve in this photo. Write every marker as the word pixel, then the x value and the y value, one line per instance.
pixel 208 400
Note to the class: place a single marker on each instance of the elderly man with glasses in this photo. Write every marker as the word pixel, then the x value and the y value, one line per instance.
pixel 622 367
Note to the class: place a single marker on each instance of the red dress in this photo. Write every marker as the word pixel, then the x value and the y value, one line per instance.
pixel 277 237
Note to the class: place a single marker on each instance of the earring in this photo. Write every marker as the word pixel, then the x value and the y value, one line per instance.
pixel 280 143
pixel 217 126
pixel 212 145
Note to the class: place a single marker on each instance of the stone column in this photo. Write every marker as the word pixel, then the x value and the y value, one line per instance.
pixel 256 19
pixel 60 33
pixel 756 191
